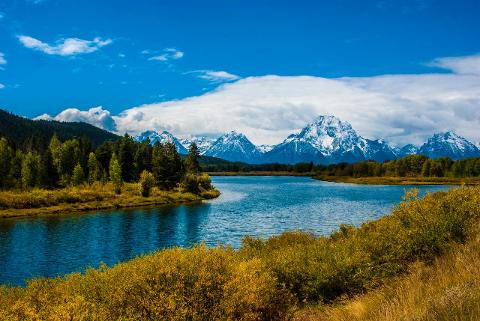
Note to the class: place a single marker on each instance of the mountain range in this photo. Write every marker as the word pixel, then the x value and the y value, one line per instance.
pixel 326 140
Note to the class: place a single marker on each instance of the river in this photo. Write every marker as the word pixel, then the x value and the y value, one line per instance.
pixel 257 206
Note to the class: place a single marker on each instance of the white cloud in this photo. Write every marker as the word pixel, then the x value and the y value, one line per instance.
pixel 215 76
pixel 168 54
pixel 65 47
pixel 2 86
pixel 96 116
pixel 43 117
pixel 3 61
pixel 401 108
pixel 468 65
pixel 159 58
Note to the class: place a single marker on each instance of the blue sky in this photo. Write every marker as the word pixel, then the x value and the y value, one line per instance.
pixel 60 54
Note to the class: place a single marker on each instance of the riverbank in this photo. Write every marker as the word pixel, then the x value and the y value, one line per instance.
pixel 259 173
pixel 89 198
pixel 275 278
pixel 400 180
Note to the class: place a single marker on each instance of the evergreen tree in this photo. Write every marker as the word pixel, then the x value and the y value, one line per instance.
pixel 143 157
pixel 78 175
pixel 116 174
pixel 104 154
pixel 93 168
pixel 167 165
pixel 126 153
pixel 192 164
pixel 70 156
pixel 16 168
pixel 426 168
pixel 55 147
pixel 6 155
pixel 48 172
pixel 30 170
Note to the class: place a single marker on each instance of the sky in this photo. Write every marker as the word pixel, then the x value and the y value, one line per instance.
pixel 399 70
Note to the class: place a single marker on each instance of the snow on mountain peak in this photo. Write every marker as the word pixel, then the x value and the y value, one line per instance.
pixel 162 138
pixel 449 144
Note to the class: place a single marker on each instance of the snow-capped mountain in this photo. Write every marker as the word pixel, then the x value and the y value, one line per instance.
pixel 162 138
pixel 265 148
pixel 378 150
pixel 324 141
pixel 203 143
pixel 449 144
pixel 406 150
pixel 234 146
pixel 328 140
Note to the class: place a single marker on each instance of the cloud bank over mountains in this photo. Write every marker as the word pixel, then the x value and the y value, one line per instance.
pixel 401 108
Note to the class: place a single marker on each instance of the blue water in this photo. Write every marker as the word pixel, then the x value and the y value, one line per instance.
pixel 259 206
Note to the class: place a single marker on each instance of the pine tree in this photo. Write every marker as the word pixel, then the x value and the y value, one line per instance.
pixel 93 168
pixel 55 149
pixel 30 170
pixel 126 153
pixel 192 164
pixel 47 171
pixel 116 174
pixel 78 175
pixel 70 156
pixel 6 155
pixel 167 165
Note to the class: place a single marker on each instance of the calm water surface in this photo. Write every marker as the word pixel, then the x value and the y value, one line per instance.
pixel 259 206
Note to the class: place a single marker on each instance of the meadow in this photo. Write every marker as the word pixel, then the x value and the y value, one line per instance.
pixel 86 197
pixel 375 267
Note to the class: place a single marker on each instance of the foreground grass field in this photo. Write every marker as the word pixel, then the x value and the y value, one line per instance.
pixel 89 197
pixel 448 290
pixel 368 273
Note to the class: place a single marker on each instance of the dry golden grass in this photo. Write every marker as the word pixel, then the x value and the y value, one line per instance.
pixel 88 197
pixel 448 290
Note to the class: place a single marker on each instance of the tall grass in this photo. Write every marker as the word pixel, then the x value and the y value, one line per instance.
pixel 90 197
pixel 265 279
pixel 448 290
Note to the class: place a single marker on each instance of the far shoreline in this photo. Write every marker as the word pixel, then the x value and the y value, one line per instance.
pixel 375 180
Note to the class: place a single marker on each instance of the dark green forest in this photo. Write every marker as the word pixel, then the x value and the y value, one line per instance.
pixel 27 134
pixel 77 161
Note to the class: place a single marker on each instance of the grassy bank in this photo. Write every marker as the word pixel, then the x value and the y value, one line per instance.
pixel 447 290
pixel 87 198
pixel 267 279
pixel 401 180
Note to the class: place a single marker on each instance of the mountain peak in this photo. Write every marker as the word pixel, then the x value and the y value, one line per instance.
pixel 163 137
pixel 234 146
pixel 449 144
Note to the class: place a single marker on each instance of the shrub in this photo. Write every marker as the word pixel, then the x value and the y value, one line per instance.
pixel 147 181
pixel 197 183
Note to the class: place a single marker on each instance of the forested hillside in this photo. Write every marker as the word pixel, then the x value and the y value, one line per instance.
pixel 25 132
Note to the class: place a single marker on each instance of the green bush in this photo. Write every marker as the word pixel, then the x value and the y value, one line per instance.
pixel 147 182
pixel 197 183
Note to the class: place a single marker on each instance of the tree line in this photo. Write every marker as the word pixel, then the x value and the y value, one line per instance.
pixel 75 162
pixel 409 166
